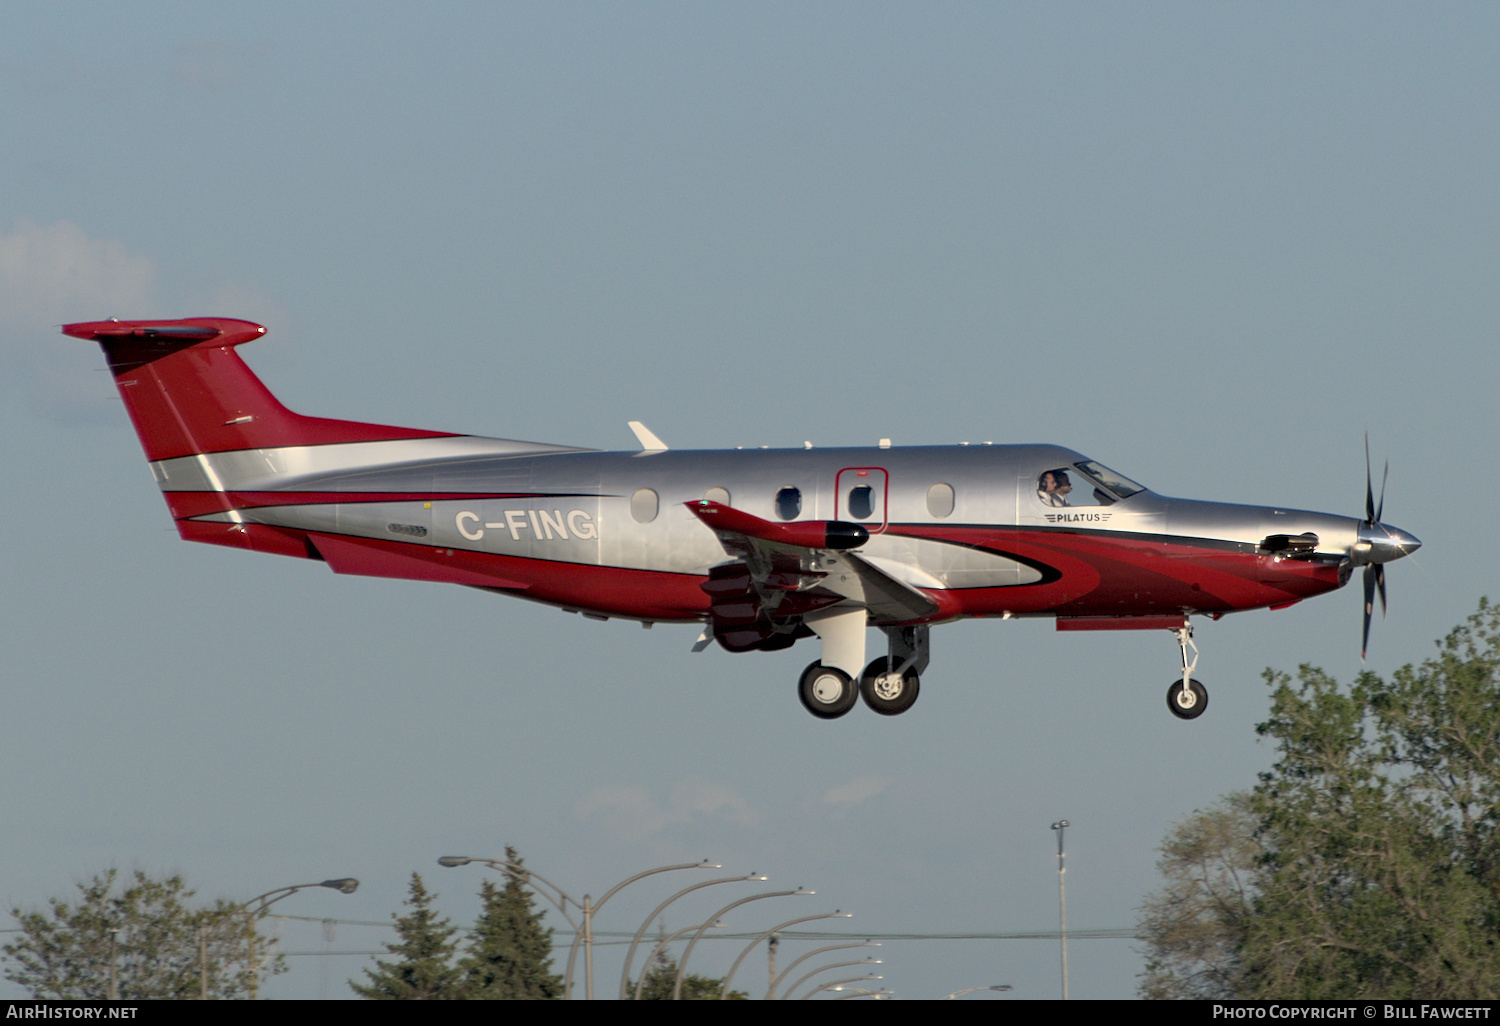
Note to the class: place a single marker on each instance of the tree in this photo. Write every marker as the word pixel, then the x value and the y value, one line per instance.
pixel 146 938
pixel 661 980
pixel 423 969
pixel 1379 875
pixel 510 953
pixel 1195 926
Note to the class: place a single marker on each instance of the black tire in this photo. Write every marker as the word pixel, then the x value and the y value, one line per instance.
pixel 826 691
pixel 1189 704
pixel 887 697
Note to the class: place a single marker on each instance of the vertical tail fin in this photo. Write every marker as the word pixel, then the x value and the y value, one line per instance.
pixel 188 392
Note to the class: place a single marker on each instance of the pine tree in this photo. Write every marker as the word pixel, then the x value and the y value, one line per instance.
pixel 510 952
pixel 661 981
pixel 423 969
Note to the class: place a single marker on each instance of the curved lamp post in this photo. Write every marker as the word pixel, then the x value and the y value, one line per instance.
pixel 970 990
pixel 771 993
pixel 824 969
pixel 588 907
pixel 252 910
pixel 646 923
pixel 840 984
pixel 835 914
pixel 640 985
pixel 858 992
pixel 682 966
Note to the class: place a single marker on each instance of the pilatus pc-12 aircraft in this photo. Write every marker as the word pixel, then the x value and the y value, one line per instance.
pixel 762 547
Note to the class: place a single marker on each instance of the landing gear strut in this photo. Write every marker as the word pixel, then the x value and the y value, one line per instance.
pixel 1186 697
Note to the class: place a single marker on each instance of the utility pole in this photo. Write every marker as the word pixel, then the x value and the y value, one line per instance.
pixel 1061 826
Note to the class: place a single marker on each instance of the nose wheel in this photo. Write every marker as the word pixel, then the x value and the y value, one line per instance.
pixel 1186 697
pixel 1187 702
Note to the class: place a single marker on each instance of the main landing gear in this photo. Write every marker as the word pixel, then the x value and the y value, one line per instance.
pixel 1186 697
pixel 889 685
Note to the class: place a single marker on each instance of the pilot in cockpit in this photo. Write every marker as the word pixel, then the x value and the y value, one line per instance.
pixel 1053 488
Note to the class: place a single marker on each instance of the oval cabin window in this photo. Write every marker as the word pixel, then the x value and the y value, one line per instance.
pixel 719 495
pixel 940 500
pixel 789 503
pixel 861 502
pixel 644 505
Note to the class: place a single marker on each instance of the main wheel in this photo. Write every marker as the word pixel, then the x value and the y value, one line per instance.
pixel 889 694
pixel 1187 703
pixel 826 691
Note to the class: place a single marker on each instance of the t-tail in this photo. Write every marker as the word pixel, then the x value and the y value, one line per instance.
pixel 195 403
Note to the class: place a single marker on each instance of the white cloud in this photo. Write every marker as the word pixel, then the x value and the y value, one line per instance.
pixel 628 812
pixel 857 790
pixel 54 273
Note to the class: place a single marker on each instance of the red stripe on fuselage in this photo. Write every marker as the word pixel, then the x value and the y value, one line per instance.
pixel 614 591
pixel 1115 574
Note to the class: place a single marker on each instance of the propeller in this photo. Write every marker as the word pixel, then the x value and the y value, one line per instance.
pixel 1377 544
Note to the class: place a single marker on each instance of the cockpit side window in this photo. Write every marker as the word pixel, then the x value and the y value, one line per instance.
pixel 1085 483
pixel 1055 487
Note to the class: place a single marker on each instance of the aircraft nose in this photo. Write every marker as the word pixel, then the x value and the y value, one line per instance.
pixel 1382 543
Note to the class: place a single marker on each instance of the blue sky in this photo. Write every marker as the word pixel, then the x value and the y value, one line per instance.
pixel 1209 245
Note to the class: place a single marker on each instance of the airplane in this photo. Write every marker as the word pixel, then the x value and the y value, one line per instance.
pixel 761 547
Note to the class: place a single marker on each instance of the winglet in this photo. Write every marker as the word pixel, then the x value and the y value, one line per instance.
pixel 806 534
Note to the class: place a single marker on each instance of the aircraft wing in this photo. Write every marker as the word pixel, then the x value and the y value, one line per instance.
pixel 796 568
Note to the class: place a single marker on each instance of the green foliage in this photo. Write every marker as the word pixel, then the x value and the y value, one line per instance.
pixel 662 977
pixel 423 969
pixel 156 945
pixel 1380 875
pixel 510 953
pixel 1194 927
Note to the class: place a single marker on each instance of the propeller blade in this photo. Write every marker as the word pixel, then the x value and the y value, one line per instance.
pixel 1369 491
pixel 1380 586
pixel 1369 582
pixel 1380 506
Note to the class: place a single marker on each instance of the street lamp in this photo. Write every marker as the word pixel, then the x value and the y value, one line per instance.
pixel 661 945
pixel 839 984
pixel 823 969
pixel 524 875
pixel 835 914
pixel 771 992
pixel 682 966
pixel 646 923
pixel 971 990
pixel 1061 826
pixel 344 885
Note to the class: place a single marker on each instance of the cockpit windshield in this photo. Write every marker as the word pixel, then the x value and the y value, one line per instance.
pixel 1100 486
pixel 1119 484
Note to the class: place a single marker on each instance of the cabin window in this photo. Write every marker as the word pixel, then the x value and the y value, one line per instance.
pixel 644 505
pixel 719 495
pixel 789 503
pixel 861 502
pixel 940 500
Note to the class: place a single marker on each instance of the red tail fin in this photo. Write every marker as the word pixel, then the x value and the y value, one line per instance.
pixel 188 392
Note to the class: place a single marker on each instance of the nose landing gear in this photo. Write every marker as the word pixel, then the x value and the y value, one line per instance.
pixel 1186 698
